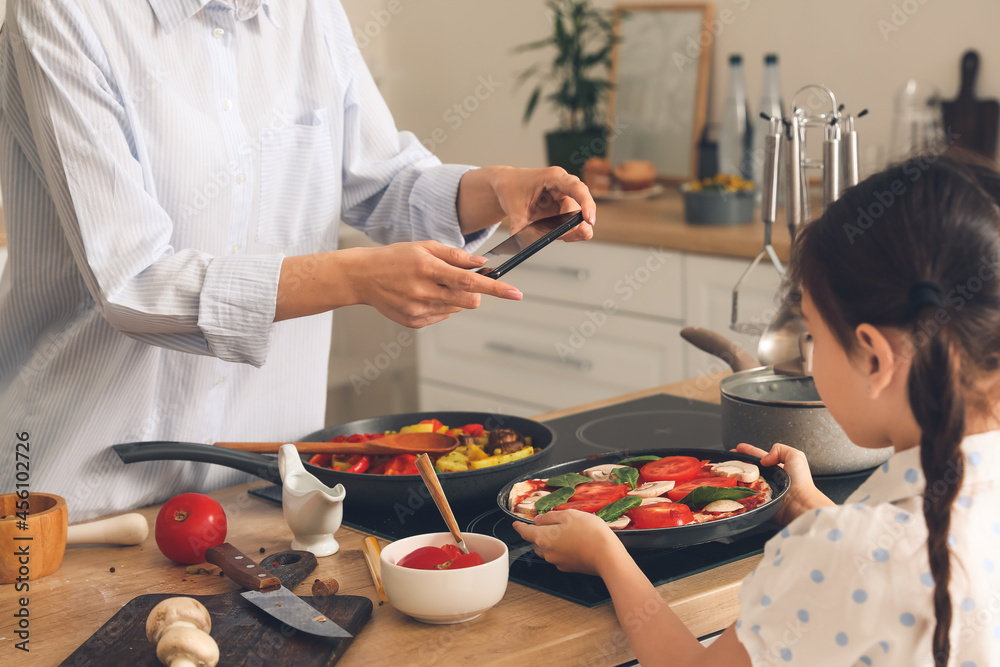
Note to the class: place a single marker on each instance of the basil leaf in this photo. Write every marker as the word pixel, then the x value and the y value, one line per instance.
pixel 704 495
pixel 557 497
pixel 570 479
pixel 639 459
pixel 614 511
pixel 625 476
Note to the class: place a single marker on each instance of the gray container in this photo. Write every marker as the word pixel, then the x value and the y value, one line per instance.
pixel 708 207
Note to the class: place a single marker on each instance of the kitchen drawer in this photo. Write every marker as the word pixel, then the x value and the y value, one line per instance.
pixel 645 281
pixel 550 355
pixel 435 397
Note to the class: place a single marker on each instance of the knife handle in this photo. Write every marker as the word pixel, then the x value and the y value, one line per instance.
pixel 241 569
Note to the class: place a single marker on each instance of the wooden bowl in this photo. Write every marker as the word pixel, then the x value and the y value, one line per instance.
pixel 33 547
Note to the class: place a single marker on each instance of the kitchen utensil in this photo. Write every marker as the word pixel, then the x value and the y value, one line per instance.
pixel 762 407
pixel 430 478
pixel 968 122
pixel 394 443
pixel 445 596
pixel 33 535
pixel 266 593
pixel 126 529
pixel 371 549
pixel 389 493
pixel 312 509
pixel 676 536
pixel 244 635
pixel 917 121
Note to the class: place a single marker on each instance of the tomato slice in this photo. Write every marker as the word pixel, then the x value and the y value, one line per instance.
pixel 600 490
pixel 671 468
pixel 681 490
pixel 660 515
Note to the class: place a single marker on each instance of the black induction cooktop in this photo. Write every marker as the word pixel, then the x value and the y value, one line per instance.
pixel 655 421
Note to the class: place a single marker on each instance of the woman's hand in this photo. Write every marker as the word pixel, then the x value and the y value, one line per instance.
pixel 573 541
pixel 524 195
pixel 802 494
pixel 413 284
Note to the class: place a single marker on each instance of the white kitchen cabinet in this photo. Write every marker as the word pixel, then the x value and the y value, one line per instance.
pixel 709 285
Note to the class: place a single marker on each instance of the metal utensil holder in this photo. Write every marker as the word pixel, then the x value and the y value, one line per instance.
pixel 838 167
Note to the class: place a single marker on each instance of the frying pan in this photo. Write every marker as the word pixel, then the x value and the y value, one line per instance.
pixel 675 536
pixel 389 493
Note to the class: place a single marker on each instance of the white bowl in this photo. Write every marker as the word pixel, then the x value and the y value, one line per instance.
pixel 445 596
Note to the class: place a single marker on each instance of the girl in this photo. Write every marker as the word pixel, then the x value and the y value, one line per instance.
pixel 900 291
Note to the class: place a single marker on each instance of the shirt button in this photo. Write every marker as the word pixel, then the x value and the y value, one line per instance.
pixel 236 248
pixel 241 178
pixel 208 441
pixel 228 105
pixel 220 379
pixel 218 33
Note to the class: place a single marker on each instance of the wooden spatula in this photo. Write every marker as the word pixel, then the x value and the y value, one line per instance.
pixel 970 123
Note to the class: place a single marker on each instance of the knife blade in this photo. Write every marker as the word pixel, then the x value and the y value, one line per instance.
pixel 266 592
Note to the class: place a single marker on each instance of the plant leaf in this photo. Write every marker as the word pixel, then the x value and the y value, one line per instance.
pixel 532 103
pixel 614 511
pixel 570 479
pixel 557 497
pixel 704 495
pixel 639 459
pixel 625 476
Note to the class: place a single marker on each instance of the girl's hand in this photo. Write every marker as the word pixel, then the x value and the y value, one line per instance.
pixel 573 541
pixel 802 494
pixel 531 194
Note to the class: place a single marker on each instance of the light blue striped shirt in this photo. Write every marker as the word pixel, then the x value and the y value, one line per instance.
pixel 158 160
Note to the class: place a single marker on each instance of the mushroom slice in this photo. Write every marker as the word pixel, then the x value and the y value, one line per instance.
pixel 654 501
pixel 744 472
pixel 619 523
pixel 652 489
pixel 528 504
pixel 601 473
pixel 720 506
pixel 519 490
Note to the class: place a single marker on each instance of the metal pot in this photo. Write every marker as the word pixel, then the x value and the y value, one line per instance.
pixel 387 493
pixel 762 407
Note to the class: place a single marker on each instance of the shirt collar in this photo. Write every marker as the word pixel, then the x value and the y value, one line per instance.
pixel 172 13
pixel 902 477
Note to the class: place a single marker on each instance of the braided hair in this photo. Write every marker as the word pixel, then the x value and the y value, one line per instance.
pixel 916 247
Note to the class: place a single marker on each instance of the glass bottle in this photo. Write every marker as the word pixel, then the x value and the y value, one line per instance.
pixel 772 105
pixel 735 131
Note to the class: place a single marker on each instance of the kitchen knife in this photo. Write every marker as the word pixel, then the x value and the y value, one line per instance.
pixel 266 592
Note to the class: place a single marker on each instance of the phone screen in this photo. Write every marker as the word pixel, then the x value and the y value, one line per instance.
pixel 519 247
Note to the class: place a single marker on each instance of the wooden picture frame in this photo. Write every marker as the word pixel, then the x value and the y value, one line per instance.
pixel 660 68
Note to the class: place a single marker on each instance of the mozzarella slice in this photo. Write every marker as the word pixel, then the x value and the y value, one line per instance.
pixel 744 472
pixel 720 506
pixel 601 473
pixel 652 489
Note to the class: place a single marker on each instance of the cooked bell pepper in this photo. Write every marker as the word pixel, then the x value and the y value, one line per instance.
pixel 361 464
pixel 321 460
pixel 402 464
pixel 475 430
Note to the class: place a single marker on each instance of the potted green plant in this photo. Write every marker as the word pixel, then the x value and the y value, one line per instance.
pixel 577 80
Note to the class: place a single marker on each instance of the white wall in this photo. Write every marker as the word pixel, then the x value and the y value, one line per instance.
pixel 429 55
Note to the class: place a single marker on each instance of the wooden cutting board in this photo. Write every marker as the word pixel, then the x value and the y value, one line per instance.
pixel 969 122
pixel 245 634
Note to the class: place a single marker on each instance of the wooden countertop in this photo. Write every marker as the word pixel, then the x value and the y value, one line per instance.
pixel 526 627
pixel 660 222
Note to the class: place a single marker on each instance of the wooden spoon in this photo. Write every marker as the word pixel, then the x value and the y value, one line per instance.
pixel 395 443
pixel 426 469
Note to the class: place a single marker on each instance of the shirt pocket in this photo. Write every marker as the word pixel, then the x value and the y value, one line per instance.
pixel 299 182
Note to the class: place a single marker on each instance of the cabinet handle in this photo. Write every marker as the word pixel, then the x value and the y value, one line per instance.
pixel 580 274
pixel 582 365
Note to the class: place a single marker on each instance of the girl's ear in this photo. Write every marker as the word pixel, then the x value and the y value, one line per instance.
pixel 878 358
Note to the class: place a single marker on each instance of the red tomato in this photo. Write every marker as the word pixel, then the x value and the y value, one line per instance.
pixel 590 505
pixel 189 524
pixel 681 490
pixel 424 558
pixel 599 490
pixel 660 515
pixel 464 560
pixel 671 468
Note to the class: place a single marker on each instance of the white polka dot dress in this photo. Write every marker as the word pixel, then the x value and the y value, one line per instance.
pixel 851 585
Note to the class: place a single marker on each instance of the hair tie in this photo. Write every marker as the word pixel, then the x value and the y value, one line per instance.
pixel 925 294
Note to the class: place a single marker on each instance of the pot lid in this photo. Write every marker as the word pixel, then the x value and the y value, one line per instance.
pixel 765 387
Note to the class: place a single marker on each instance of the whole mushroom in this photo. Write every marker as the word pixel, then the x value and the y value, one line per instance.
pixel 179 627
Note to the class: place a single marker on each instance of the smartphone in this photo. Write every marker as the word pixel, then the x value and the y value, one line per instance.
pixel 519 247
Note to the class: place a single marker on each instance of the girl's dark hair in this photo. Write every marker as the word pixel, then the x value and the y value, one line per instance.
pixel 917 247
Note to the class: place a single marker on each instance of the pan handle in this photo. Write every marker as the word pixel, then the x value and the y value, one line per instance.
pixel 265 467
pixel 720 346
